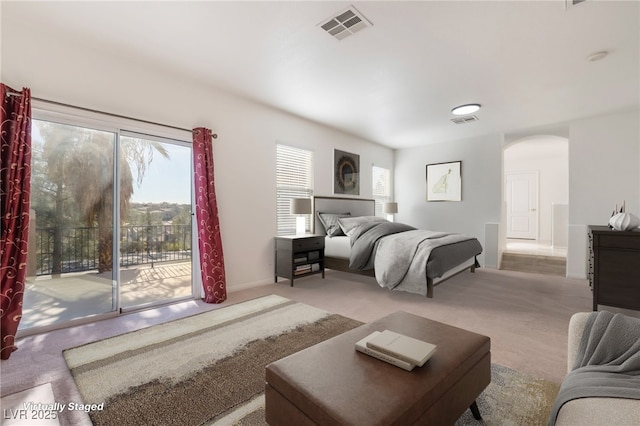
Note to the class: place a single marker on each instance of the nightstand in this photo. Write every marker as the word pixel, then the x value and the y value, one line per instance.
pixel 299 256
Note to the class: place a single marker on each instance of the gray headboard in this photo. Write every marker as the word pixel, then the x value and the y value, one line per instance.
pixel 355 206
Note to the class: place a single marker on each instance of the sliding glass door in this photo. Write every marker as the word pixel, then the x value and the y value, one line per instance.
pixel 110 224
pixel 155 231
pixel 70 272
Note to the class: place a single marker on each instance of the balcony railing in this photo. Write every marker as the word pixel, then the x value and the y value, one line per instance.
pixel 78 247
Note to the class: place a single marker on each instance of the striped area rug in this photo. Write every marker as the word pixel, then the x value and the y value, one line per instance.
pixel 200 370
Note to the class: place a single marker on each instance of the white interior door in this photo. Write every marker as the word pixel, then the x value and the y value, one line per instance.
pixel 522 205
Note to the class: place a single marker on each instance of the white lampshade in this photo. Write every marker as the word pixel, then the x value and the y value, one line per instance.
pixel 390 208
pixel 301 206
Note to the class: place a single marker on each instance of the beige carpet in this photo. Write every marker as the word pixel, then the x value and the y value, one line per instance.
pixel 31 407
pixel 199 369
pixel 209 369
pixel 525 315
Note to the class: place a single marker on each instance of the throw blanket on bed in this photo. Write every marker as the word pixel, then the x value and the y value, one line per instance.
pixel 402 259
pixel 607 362
pixel 364 240
pixel 400 253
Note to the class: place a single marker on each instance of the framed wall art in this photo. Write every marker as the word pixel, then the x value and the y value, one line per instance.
pixel 346 176
pixel 444 181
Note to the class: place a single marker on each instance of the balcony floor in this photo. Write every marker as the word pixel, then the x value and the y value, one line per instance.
pixel 51 300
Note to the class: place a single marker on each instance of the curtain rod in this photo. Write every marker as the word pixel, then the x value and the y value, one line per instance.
pixel 214 135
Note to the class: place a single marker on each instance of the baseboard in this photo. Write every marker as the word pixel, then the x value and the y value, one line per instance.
pixel 576 276
pixel 245 286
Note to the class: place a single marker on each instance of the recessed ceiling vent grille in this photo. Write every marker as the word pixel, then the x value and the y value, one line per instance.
pixel 465 119
pixel 345 23
pixel 571 3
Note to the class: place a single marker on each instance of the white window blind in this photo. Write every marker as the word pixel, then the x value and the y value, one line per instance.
pixel 381 188
pixel 294 179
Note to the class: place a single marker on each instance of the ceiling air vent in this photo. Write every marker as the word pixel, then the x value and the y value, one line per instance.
pixel 465 119
pixel 345 23
pixel 570 3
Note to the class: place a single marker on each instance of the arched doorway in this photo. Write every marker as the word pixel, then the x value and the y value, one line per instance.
pixel 536 199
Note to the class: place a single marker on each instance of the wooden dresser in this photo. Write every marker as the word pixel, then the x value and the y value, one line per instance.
pixel 614 267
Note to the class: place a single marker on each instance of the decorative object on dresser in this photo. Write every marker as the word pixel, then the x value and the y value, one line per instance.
pixel 346 173
pixel 298 255
pixel 622 221
pixel 614 275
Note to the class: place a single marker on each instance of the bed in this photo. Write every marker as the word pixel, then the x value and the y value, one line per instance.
pixel 399 256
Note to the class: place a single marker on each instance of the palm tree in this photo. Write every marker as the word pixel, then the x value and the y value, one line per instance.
pixel 81 162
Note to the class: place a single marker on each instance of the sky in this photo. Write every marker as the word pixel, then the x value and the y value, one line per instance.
pixel 166 180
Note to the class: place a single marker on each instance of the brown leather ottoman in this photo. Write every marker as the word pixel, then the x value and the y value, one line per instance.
pixel 331 383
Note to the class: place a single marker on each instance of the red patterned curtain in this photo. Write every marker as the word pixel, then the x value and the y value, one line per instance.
pixel 209 239
pixel 15 186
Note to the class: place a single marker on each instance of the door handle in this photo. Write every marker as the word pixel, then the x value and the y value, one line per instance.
pixel 532 210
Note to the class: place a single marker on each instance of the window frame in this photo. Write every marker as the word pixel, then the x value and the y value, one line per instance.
pixel 121 126
pixel 299 187
pixel 381 173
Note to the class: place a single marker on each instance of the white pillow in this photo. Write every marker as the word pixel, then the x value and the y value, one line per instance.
pixel 348 224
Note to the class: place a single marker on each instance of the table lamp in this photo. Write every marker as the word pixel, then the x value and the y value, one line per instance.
pixel 300 207
pixel 390 209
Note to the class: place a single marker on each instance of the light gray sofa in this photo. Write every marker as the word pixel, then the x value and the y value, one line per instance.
pixel 594 411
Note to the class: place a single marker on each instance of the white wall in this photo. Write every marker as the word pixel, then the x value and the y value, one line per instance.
pixel 604 151
pixel 481 189
pixel 549 155
pixel 604 170
pixel 67 71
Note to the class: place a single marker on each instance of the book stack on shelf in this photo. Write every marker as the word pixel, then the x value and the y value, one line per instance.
pixel 299 259
pixel 305 269
pixel 302 269
pixel 396 349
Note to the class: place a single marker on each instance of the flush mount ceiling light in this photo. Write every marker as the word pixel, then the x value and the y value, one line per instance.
pixel 465 109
